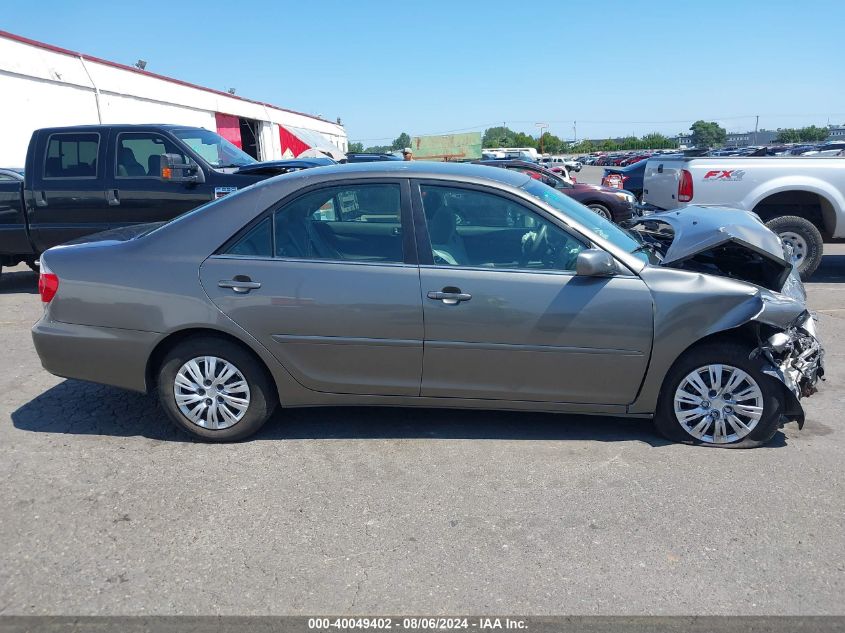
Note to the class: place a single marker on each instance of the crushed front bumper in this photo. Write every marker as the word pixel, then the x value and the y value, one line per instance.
pixel 796 358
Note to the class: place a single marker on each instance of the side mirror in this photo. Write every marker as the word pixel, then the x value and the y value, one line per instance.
pixel 595 263
pixel 175 169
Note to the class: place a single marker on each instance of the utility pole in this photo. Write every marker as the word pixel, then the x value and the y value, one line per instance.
pixel 575 131
pixel 756 124
pixel 542 126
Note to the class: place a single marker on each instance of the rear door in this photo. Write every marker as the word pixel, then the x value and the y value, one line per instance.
pixel 328 282
pixel 69 187
pixel 138 194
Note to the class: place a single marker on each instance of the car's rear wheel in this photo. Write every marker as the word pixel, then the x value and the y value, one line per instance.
pixel 601 210
pixel 715 395
pixel 806 241
pixel 215 389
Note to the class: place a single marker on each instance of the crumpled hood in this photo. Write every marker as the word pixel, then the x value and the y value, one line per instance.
pixel 700 229
pixel 731 242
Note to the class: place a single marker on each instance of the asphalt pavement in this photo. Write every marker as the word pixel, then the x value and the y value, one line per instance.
pixel 107 509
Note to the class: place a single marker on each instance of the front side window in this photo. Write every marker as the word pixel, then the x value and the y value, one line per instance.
pixel 213 148
pixel 473 228
pixel 352 223
pixel 139 154
pixel 72 156
pixel 593 221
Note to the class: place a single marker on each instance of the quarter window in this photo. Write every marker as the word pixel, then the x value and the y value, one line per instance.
pixel 72 156
pixel 473 228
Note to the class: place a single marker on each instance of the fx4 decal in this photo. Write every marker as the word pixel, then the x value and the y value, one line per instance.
pixel 724 174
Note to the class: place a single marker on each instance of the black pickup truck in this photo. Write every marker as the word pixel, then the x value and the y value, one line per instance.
pixel 85 179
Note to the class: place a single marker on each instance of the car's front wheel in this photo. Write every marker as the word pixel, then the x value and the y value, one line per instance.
pixel 715 395
pixel 215 389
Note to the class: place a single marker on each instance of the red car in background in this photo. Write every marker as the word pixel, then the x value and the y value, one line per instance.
pixel 610 203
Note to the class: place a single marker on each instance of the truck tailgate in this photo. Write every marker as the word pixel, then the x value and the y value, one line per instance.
pixel 660 183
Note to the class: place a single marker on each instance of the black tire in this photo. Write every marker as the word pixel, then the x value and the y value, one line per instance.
pixel 602 210
pixel 811 236
pixel 727 354
pixel 262 401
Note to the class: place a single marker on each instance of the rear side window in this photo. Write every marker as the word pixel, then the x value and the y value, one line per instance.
pixel 72 156
pixel 355 223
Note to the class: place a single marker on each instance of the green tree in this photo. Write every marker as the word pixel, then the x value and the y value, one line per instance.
pixel 655 140
pixel 551 143
pixel 379 149
pixel 707 134
pixel 521 139
pixel 402 141
pixel 813 134
pixel 356 147
pixel 583 147
pixel 499 136
pixel 788 135
pixel 608 146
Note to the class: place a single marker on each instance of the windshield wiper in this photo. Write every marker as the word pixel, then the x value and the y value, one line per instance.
pixel 649 248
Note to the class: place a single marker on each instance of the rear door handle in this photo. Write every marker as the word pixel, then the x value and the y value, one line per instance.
pixel 449 297
pixel 240 284
pixel 40 199
pixel 113 197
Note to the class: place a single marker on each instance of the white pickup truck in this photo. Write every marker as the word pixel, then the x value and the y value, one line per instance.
pixel 800 198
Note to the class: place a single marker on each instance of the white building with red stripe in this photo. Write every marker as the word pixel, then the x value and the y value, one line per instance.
pixel 45 86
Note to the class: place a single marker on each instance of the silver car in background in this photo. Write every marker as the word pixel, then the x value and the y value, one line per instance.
pixel 436 285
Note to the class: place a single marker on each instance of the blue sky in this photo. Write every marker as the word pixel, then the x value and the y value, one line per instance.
pixel 615 67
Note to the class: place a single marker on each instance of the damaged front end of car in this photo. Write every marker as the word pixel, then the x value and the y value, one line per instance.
pixel 796 358
pixel 735 244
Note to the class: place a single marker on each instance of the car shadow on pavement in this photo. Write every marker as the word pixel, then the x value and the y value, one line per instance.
pixel 18 281
pixel 81 408
pixel 831 270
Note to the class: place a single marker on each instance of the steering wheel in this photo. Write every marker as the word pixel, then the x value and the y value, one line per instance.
pixel 531 247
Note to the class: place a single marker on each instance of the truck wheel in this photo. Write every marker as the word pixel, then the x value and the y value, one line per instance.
pixel 715 395
pixel 805 239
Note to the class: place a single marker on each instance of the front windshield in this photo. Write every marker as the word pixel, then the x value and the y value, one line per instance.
pixel 614 234
pixel 214 149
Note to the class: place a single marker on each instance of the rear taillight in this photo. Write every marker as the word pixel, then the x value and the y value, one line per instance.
pixel 48 283
pixel 685 186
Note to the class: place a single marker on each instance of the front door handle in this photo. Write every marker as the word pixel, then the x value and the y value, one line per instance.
pixel 40 199
pixel 240 284
pixel 113 197
pixel 449 296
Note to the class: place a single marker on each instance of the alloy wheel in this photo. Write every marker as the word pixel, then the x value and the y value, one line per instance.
pixel 718 404
pixel 211 392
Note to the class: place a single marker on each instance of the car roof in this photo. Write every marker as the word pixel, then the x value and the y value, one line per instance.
pixel 423 169
pixel 104 126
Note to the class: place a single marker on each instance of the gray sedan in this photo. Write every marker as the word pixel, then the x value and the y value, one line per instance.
pixel 436 285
